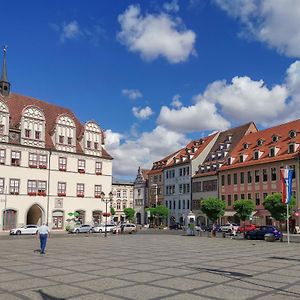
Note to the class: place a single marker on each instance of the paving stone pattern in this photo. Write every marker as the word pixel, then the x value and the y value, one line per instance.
pixel 149 266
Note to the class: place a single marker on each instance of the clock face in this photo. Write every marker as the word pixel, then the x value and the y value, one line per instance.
pixel 14 136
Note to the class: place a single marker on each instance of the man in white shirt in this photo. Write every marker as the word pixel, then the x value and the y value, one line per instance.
pixel 43 233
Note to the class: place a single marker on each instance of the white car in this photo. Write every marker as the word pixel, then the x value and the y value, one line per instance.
pixel 101 228
pixel 26 229
pixel 229 227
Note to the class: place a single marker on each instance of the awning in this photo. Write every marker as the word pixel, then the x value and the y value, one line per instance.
pixel 229 213
pixel 262 213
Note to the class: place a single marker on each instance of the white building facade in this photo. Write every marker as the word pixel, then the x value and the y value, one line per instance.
pixel 50 164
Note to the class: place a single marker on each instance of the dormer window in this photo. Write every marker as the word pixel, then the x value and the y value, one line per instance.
pixel 275 138
pixel 27 133
pixel 241 158
pixel 272 152
pixel 256 155
pixel 229 138
pixel 260 142
pixel 292 134
pixel 291 148
pixel 246 146
pixel 229 160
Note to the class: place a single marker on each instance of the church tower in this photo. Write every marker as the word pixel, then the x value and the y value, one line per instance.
pixel 4 83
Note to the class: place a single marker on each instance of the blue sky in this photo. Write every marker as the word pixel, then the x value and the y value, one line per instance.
pixel 155 74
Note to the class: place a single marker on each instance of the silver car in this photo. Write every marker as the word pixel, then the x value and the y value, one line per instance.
pixel 82 228
pixel 27 229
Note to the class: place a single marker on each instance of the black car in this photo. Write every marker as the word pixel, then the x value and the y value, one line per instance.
pixel 259 234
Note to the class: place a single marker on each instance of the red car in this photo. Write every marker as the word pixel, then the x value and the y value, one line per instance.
pixel 246 228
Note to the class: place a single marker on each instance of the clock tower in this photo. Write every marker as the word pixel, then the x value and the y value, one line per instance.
pixel 4 83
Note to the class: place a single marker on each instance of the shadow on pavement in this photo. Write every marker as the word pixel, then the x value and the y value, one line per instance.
pixel 48 297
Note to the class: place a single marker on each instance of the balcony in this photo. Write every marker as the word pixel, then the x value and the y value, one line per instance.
pixel 61 194
pixel 31 193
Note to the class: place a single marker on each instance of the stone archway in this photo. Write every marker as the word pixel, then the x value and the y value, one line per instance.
pixel 35 215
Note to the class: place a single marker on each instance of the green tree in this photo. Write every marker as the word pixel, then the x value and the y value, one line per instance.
pixel 214 208
pixel 129 213
pixel 273 203
pixel 112 211
pixel 161 212
pixel 244 209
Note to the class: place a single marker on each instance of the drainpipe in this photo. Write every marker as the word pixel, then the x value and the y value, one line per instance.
pixel 48 196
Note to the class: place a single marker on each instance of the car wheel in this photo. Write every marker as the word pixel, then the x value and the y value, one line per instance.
pixel 100 230
pixel 90 231
pixel 248 237
pixel 18 232
pixel 77 231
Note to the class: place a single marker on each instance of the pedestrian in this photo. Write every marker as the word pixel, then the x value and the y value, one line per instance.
pixel 233 232
pixel 43 234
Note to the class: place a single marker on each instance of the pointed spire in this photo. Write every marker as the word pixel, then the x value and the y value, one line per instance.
pixel 4 69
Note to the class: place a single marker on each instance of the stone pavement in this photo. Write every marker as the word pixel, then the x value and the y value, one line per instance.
pixel 149 266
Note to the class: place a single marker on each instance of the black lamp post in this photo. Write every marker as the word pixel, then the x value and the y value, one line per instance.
pixel 106 202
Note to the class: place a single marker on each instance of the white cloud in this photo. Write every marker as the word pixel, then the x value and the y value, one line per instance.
pixel 156 35
pixel 176 103
pixel 70 31
pixel 132 94
pixel 142 113
pixel 143 151
pixel 276 23
pixel 171 6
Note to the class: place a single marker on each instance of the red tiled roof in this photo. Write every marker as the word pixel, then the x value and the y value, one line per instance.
pixel 16 103
pixel 145 173
pixel 211 173
pixel 199 144
pixel 282 131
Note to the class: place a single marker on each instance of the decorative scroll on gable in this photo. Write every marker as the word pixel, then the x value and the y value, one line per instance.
pixel 93 139
pixel 33 127
pixel 4 122
pixel 64 137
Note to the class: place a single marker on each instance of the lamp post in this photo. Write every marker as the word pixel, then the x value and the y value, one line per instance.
pixel 106 202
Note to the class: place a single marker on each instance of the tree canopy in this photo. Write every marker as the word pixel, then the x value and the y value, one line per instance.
pixel 273 203
pixel 214 208
pixel 129 213
pixel 244 209
pixel 112 211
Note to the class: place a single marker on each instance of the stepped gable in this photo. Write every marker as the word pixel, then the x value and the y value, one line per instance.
pixel 159 165
pixel 16 103
pixel 278 136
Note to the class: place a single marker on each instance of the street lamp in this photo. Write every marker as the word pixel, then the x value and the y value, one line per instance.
pixel 106 213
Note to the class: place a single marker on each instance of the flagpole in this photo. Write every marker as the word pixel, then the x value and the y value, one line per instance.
pixel 287 223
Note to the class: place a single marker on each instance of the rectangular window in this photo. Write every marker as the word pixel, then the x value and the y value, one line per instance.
pixel 257 199
pixel 14 186
pixel 229 200
pixel 81 166
pixel 42 161
pixel 61 189
pixel 174 204
pixel 15 158
pixel 80 190
pixel 187 171
pixel 2 156
pixel 98 168
pixel 88 144
pixel 249 176
pixel 228 179
pixel 223 180
pixel 98 190
pixel 242 177
pixel 37 135
pixel 235 196
pixel 249 197
pixel 2 129
pixel 33 160
pixel 273 174
pixel 256 155
pixel 272 152
pixel 235 178
pixel 294 172
pixel 291 148
pixel 179 204
pixel 62 164
pixel 242 196
pixel 256 175
pixel 96 146
pixel 187 204
pixel 265 195
pixel 1 185
pixel 180 172
pixel 210 185
pixel 183 204
pixel 124 193
pixel 119 193
pixel 265 175
pixel 69 141
pixel 31 187
pixel 61 139
pixel 119 205
pixel 27 133
pixel 42 188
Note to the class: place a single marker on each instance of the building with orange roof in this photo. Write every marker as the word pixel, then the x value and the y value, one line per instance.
pixel 252 170
pixel 205 180
pixel 178 173
pixel 51 164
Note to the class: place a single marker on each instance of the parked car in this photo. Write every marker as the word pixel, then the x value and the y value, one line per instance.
pixel 82 228
pixel 229 227
pixel 175 226
pixel 101 228
pixel 259 233
pixel 246 228
pixel 26 229
pixel 126 228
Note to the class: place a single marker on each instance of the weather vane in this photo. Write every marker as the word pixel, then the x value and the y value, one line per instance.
pixel 5 48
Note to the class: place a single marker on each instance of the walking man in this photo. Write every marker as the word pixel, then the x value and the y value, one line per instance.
pixel 43 233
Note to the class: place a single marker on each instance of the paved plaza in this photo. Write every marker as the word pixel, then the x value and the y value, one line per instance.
pixel 149 266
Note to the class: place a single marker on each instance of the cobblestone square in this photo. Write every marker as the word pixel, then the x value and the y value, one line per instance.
pixel 148 266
